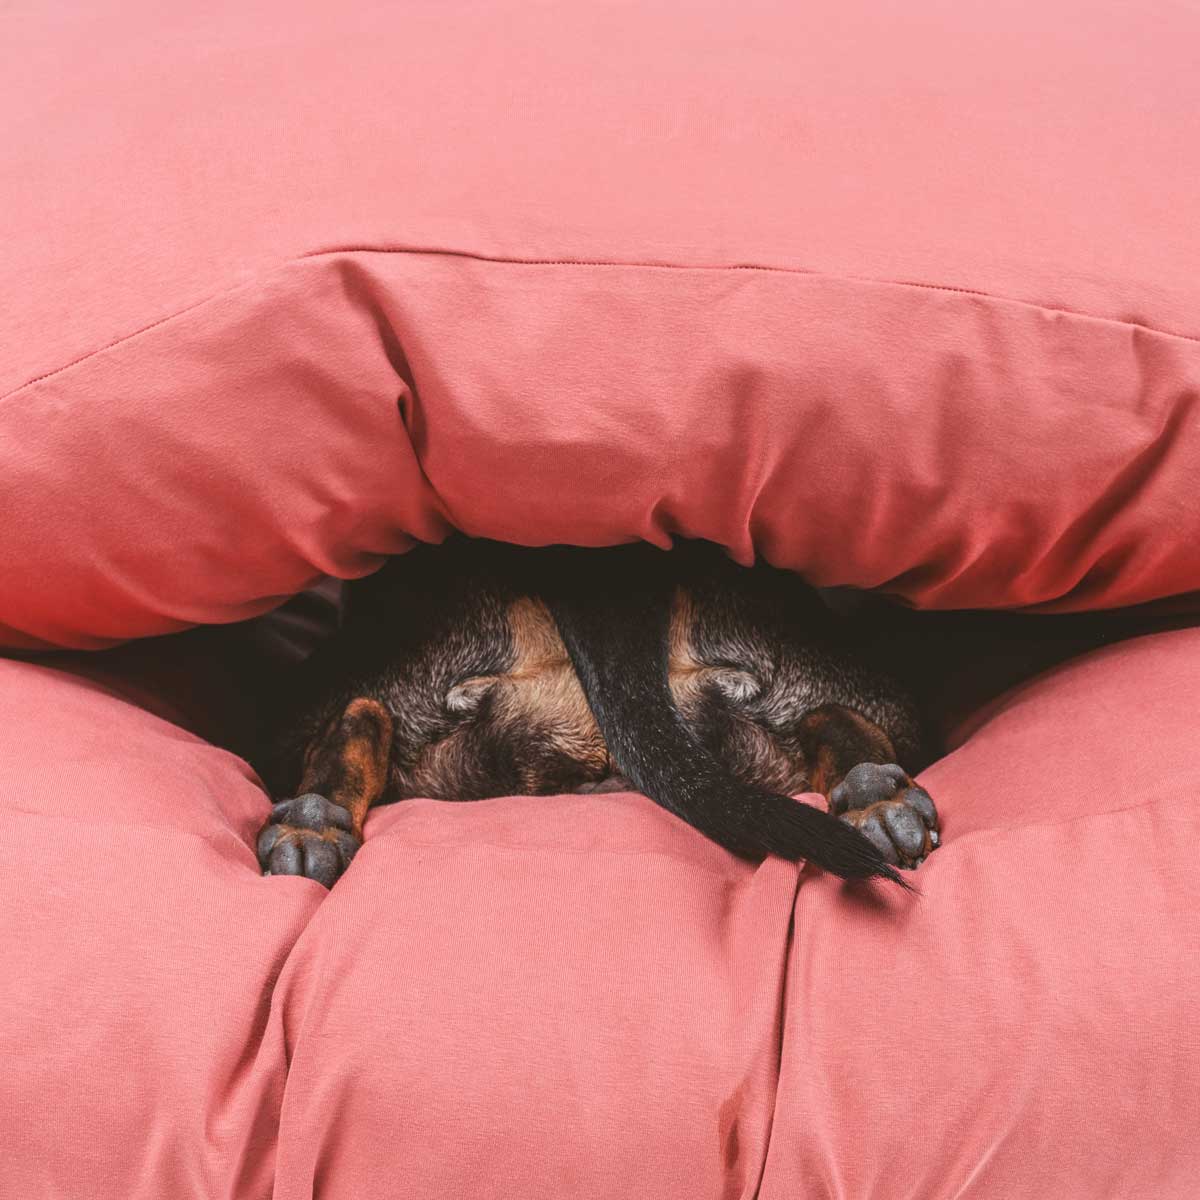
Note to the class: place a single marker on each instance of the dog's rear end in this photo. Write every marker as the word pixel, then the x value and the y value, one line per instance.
pixel 476 670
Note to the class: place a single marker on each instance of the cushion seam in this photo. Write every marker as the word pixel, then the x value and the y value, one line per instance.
pixel 435 252
pixel 128 337
pixel 1000 830
pixel 216 839
pixel 730 877
pixel 764 268
pixel 789 950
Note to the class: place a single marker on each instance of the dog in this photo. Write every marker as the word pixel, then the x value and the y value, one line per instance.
pixel 476 669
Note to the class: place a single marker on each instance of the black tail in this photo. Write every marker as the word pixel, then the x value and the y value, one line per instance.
pixel 613 613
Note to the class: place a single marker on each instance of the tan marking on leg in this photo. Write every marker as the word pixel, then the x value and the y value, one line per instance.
pixel 821 771
pixel 686 674
pixel 840 738
pixel 750 751
pixel 543 691
pixel 349 763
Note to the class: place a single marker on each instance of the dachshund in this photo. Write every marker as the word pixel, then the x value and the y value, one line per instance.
pixel 476 669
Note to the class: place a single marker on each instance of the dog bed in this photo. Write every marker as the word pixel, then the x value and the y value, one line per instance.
pixel 898 297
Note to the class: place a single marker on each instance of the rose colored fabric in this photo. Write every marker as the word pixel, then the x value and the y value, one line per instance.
pixel 139 954
pixel 580 996
pixel 1028 1027
pixel 573 997
pixel 899 296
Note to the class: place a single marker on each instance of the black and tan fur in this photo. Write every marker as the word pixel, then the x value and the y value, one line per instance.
pixel 474 670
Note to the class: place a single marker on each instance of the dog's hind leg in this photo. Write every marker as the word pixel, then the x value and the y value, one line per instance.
pixel 317 832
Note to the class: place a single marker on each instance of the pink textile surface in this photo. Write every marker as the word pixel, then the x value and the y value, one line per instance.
pixel 139 954
pixel 580 996
pixel 898 296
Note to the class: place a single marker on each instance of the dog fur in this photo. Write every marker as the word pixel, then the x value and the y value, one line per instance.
pixel 476 669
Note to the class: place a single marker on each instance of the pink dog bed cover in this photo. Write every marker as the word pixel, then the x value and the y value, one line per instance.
pixel 899 296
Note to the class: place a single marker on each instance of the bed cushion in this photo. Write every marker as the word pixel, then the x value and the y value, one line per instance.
pixel 1026 1027
pixel 140 952
pixel 900 297
pixel 553 996
pixel 561 996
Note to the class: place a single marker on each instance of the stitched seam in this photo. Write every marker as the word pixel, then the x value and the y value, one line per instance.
pixel 957 839
pixel 375 839
pixel 1003 830
pixel 790 947
pixel 128 337
pixel 217 840
pixel 416 251
pixel 629 264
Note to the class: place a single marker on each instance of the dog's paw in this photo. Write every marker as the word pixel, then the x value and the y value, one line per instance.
pixel 885 805
pixel 310 836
